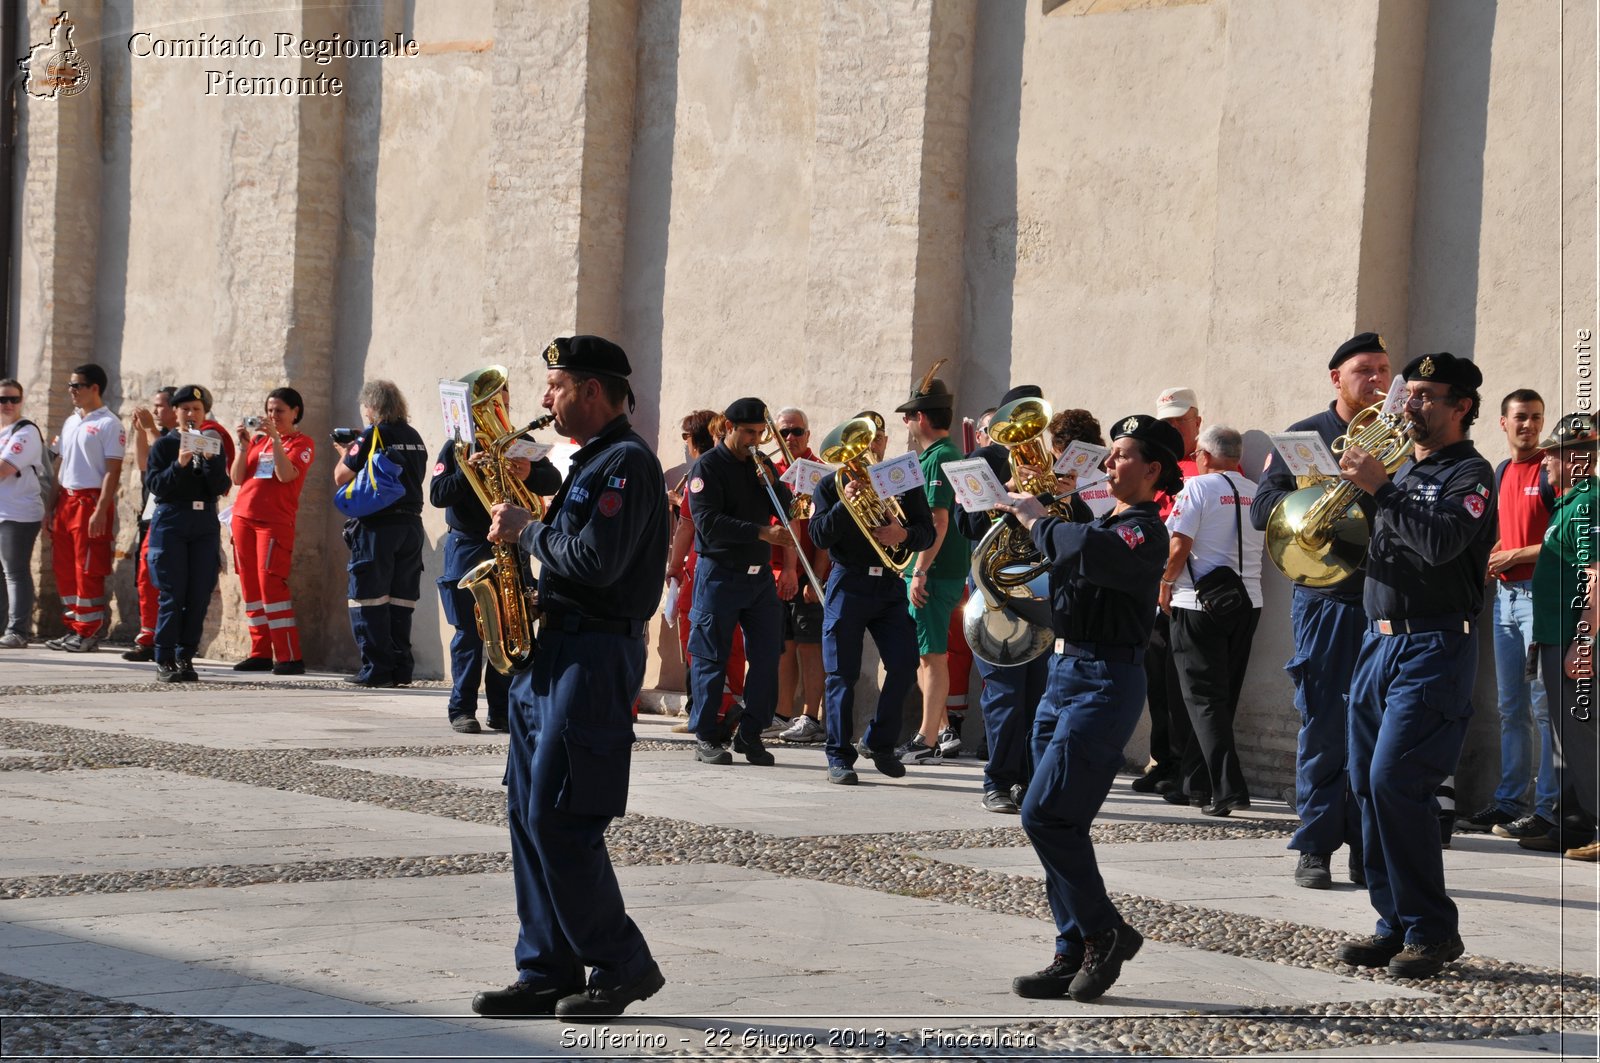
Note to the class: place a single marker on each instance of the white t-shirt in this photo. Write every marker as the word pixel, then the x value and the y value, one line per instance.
pixel 1204 511
pixel 22 448
pixel 88 441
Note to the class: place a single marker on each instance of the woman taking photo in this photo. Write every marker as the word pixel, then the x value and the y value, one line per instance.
pixel 269 471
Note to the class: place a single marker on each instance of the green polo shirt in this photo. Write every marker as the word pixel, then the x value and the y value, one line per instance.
pixel 955 552
pixel 1570 544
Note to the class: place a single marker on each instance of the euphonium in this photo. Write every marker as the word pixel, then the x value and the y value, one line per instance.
pixel 502 600
pixel 1318 535
pixel 847 446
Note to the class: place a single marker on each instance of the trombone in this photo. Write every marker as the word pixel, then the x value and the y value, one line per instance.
pixel 757 454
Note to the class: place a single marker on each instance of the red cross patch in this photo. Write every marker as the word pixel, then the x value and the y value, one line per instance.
pixel 1474 506
pixel 438 468
pixel 1132 535
pixel 610 504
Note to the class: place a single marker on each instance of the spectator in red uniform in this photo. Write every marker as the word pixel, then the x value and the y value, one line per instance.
pixel 91 448
pixel 269 471
pixel 800 667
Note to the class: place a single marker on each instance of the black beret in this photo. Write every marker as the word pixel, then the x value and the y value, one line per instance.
pixel 746 411
pixel 189 393
pixel 1361 344
pixel 936 397
pixel 1443 368
pixel 587 354
pixel 1167 440
pixel 1022 391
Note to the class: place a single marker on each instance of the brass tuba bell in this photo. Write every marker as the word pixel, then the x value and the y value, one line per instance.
pixel 503 602
pixel 846 446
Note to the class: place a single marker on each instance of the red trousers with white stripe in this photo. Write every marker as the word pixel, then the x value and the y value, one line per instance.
pixel 149 599
pixel 263 555
pixel 81 562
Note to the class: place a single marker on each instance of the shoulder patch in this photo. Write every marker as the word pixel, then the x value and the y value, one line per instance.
pixel 305 455
pixel 610 503
pixel 1482 491
pixel 618 482
pixel 1131 534
pixel 1475 505
pixel 697 485
pixel 437 468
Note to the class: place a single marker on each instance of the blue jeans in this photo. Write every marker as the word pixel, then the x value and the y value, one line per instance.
pixel 1525 739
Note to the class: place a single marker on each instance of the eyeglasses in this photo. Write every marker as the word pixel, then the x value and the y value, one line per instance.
pixel 10 400
pixel 1423 398
pixel 793 433
pixel 74 386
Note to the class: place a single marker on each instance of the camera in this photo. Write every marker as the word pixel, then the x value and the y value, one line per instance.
pixel 345 436
pixel 252 423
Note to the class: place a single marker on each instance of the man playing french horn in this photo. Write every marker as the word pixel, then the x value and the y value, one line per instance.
pixel 871 542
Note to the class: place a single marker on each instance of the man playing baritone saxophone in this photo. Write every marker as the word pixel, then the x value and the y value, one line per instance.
pixel 865 595
pixel 465 546
pixel 733 585
pixel 603 555
pixel 1328 626
pixel 1411 695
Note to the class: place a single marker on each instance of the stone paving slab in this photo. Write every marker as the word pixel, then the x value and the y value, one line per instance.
pixel 125 818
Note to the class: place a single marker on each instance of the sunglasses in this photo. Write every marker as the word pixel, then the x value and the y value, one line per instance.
pixel 74 386
pixel 792 433
pixel 10 400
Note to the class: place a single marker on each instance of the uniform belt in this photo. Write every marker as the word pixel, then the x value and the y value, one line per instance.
pixel 191 504
pixel 1120 654
pixel 74 492
pixel 876 571
pixel 1421 626
pixel 577 623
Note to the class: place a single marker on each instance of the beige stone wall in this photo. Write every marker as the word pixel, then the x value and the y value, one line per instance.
pixel 812 203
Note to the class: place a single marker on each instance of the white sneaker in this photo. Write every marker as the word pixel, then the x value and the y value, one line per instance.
pixel 776 727
pixel 803 729
pixel 13 641
pixel 949 742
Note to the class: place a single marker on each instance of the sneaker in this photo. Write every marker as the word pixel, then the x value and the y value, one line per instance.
pixel 13 641
pixel 254 664
pixel 168 673
pixel 140 653
pixel 1526 827
pixel 83 644
pixel 1050 983
pixel 949 742
pixel 838 773
pixel 289 668
pixel 186 666
pixel 63 642
pixel 776 727
pixel 1312 872
pixel 1371 950
pixel 711 753
pixel 919 752
pixel 1425 961
pixel 803 730
pixel 467 725
pixel 1358 867
pixel 887 764
pixel 1587 853
pixel 1103 956
pixel 1000 801
pixel 598 1003
pixel 753 750
pixel 1485 819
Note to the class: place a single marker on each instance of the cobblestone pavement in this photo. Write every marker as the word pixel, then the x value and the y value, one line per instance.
pixel 1484 1000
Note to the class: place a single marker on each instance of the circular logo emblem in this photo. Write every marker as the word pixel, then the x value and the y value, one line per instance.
pixel 610 503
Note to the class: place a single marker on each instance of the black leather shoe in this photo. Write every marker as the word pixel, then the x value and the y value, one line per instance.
pixel 1425 961
pixel 887 763
pixel 467 725
pixel 1000 801
pixel 186 667
pixel 1225 806
pixel 369 680
pixel 517 1001
pixel 498 723
pixel 1358 868
pixel 289 668
pixel 1146 783
pixel 596 1003
pixel 140 653
pixel 1050 983
pixel 1176 797
pixel 711 753
pixel 753 750
pixel 168 673
pixel 1371 951
pixel 254 664
pixel 1103 956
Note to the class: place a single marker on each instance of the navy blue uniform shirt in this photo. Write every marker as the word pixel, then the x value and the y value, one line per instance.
pixel 450 491
pixel 603 545
pixel 1276 481
pixel 833 529
pixel 730 507
pixel 976 525
pixel 1104 575
pixel 202 480
pixel 1434 525
pixel 403 446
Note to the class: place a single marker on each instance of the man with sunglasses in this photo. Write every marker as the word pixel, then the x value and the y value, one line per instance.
pixel 91 448
pixel 1411 694
pixel 801 664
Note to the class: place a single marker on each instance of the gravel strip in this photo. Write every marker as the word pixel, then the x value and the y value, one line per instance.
pixel 46 1021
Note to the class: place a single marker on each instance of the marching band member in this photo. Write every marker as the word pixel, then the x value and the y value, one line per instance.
pixel 1328 627
pixel 801 665
pixel 733 585
pixel 602 550
pixel 1104 577
pixel 863 596
pixel 1411 695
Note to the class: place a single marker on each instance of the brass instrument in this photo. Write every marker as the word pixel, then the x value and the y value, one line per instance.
pixel 503 603
pixel 801 507
pixel 1318 535
pixel 849 446
pixel 1008 621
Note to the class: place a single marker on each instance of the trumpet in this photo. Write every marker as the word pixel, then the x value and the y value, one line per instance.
pixel 848 447
pixel 502 599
